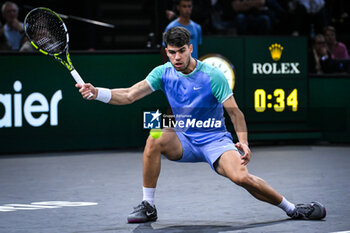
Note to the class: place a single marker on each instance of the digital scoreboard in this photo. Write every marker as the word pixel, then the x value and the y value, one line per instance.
pixel 274 78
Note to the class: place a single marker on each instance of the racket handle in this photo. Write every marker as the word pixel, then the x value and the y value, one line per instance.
pixel 79 80
pixel 77 77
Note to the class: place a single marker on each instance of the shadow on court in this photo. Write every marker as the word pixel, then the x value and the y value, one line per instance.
pixel 205 228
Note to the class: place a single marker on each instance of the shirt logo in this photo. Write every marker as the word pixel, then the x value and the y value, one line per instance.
pixel 151 120
pixel 197 88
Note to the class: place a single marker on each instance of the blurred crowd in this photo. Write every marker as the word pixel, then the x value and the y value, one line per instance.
pixel 262 17
pixel 323 22
pixel 12 32
pixel 327 54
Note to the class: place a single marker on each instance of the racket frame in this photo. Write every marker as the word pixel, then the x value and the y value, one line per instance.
pixel 68 64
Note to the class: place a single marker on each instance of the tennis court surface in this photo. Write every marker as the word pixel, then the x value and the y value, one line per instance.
pixel 94 192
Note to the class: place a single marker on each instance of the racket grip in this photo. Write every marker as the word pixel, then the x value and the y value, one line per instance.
pixel 77 77
pixel 79 80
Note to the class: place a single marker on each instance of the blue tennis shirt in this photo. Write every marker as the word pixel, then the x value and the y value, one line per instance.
pixel 196 99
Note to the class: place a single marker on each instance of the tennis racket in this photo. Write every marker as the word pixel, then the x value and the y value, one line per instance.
pixel 47 32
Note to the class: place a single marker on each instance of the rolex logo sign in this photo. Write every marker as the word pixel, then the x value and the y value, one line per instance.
pixel 264 65
pixel 276 51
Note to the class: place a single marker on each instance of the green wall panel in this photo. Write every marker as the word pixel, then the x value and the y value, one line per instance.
pixel 81 124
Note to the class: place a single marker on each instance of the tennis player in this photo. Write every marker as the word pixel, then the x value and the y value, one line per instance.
pixel 196 92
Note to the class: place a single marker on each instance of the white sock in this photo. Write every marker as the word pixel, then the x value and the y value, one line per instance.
pixel 287 206
pixel 148 195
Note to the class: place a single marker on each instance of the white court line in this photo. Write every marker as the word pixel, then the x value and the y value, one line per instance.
pixel 341 232
pixel 43 205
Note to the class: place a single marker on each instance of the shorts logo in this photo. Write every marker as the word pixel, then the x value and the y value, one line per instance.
pixel 151 120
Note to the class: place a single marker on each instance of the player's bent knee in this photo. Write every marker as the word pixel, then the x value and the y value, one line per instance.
pixel 166 145
pixel 156 144
pixel 153 145
pixel 243 180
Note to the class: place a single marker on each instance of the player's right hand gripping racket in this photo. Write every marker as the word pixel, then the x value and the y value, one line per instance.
pixel 47 32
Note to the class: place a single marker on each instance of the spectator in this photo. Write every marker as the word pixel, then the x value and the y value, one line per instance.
pixel 222 17
pixel 201 13
pixel 13 29
pixel 184 8
pixel 4 45
pixel 308 17
pixel 320 60
pixel 337 49
pixel 251 17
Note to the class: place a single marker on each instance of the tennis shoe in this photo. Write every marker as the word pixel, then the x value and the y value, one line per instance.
pixel 312 211
pixel 143 213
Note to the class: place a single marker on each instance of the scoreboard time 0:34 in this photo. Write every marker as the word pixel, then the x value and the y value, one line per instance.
pixel 275 78
pixel 278 101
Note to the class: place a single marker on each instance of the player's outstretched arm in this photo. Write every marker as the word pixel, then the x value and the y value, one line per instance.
pixel 238 121
pixel 117 96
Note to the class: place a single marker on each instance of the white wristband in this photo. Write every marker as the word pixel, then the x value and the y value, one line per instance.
pixel 104 95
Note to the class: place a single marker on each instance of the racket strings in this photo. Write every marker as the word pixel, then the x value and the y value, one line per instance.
pixel 47 31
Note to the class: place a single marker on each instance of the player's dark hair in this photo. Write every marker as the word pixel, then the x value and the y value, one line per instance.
pixel 177 36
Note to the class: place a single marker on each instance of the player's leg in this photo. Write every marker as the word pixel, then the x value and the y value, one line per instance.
pixel 229 165
pixel 170 146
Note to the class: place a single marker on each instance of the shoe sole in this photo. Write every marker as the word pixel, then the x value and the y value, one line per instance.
pixel 138 220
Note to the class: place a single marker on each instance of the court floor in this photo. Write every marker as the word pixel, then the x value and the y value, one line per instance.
pixel 95 191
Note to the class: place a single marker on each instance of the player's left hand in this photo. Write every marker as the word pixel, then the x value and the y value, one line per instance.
pixel 247 153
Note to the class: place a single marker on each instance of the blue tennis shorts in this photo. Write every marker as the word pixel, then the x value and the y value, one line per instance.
pixel 207 152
